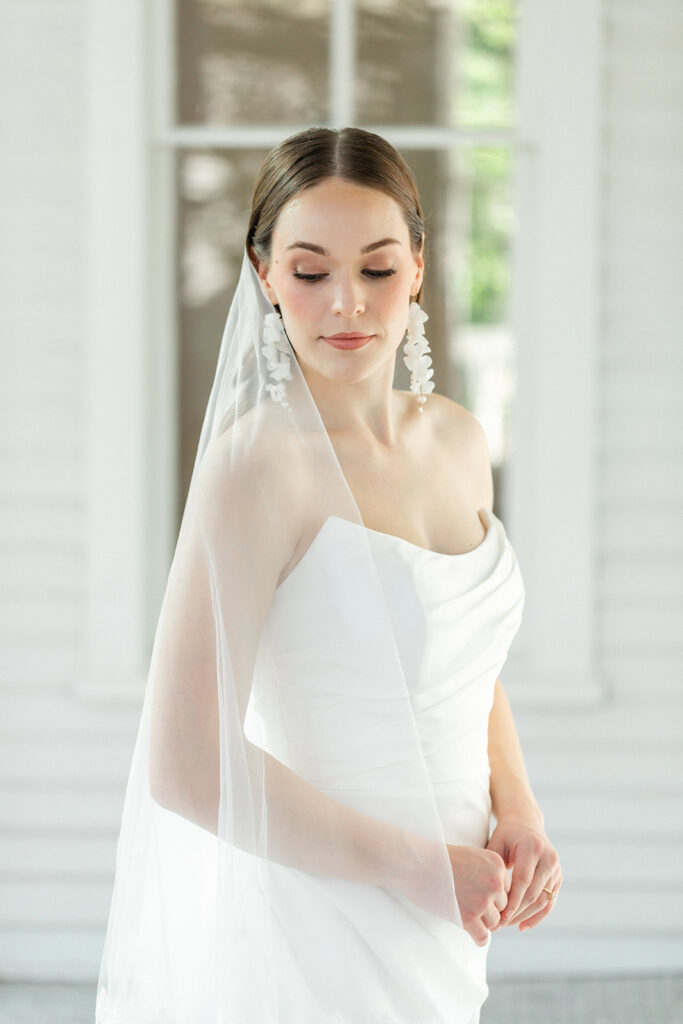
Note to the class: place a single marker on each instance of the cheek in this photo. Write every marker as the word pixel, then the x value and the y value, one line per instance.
pixel 302 305
pixel 295 296
pixel 396 293
pixel 395 299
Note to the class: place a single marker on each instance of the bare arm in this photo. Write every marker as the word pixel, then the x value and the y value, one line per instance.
pixel 519 836
pixel 511 793
pixel 312 832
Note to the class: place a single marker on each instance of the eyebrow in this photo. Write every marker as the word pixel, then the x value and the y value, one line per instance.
pixel 323 252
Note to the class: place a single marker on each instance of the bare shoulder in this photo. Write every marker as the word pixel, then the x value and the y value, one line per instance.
pixel 463 434
pixel 251 484
pixel 251 457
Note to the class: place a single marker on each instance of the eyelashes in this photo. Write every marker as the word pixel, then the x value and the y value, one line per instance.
pixel 315 278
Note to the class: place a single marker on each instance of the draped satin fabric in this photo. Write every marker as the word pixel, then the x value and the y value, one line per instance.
pixel 454 617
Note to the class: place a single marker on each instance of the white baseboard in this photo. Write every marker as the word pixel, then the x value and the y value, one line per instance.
pixel 75 955
pixel 528 956
pixel 50 956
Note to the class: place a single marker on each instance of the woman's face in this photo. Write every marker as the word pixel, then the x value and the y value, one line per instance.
pixel 342 265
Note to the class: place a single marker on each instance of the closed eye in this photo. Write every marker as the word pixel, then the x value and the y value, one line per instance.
pixel 314 278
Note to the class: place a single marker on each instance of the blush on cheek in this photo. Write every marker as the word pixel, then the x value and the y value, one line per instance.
pixel 301 307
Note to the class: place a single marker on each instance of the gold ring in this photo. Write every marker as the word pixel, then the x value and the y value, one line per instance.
pixel 551 895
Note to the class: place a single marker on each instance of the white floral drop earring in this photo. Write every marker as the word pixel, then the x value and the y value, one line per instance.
pixel 276 349
pixel 417 357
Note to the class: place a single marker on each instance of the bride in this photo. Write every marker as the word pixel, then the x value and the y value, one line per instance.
pixel 306 830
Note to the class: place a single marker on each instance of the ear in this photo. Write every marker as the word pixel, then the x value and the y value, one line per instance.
pixel 264 278
pixel 418 260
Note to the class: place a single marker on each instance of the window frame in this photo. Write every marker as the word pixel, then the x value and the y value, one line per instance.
pixel 131 331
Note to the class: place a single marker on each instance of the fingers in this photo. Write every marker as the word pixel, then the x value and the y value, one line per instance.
pixel 491 918
pixel 531 922
pixel 531 890
pixel 522 876
pixel 535 866
pixel 542 905
pixel 501 901
pixel 478 929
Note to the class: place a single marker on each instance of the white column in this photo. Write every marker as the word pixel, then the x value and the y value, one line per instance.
pixel 552 485
pixel 342 54
pixel 116 380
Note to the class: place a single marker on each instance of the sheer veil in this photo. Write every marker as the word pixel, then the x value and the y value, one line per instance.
pixel 228 818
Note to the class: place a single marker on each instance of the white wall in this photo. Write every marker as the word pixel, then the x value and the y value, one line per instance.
pixel 608 777
pixel 62 766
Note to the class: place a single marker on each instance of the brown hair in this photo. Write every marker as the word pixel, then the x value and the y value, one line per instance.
pixel 310 156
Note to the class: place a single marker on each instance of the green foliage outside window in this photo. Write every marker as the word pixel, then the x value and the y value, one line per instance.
pixel 486 99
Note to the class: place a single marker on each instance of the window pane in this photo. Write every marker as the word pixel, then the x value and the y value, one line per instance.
pixel 442 62
pixel 483 95
pixel 214 195
pixel 401 62
pixel 467 206
pixel 243 62
pixel 467 203
pixel 432 170
pixel 479 251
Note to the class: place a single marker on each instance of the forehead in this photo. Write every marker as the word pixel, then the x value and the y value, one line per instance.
pixel 339 209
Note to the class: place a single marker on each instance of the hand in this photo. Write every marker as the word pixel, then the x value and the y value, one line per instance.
pixel 535 865
pixel 481 884
pixel 480 881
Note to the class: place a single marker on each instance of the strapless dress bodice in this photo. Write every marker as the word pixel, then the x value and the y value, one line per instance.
pixel 453 617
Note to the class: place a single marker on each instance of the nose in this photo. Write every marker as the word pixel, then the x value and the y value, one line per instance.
pixel 348 300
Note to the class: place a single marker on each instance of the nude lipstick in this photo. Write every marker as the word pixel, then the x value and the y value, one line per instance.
pixel 349 339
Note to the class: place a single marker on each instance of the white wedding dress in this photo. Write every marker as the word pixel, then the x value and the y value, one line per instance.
pixel 357 953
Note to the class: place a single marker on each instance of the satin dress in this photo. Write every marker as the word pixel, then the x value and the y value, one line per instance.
pixel 355 953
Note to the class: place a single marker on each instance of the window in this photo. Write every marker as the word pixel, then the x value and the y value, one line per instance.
pixel 510 178
pixel 434 78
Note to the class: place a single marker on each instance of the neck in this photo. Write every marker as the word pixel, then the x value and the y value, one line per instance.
pixel 365 410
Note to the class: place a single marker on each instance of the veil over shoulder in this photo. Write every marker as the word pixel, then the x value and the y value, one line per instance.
pixel 217 820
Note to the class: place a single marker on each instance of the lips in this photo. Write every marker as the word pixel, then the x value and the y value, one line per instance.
pixel 352 339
